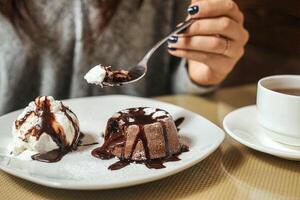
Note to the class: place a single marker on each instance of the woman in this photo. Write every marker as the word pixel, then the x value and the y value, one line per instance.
pixel 46 47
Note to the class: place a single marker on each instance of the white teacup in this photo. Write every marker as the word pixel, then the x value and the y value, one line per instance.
pixel 278 111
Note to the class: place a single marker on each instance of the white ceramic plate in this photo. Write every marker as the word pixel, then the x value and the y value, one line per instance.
pixel 242 125
pixel 79 170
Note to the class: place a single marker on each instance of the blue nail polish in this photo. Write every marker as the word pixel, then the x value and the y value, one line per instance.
pixel 171 49
pixel 193 10
pixel 173 39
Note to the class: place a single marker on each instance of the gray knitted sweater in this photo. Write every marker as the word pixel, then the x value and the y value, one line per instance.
pixel 28 69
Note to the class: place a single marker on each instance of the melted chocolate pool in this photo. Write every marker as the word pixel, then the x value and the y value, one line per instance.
pixel 150 163
pixel 114 137
pixel 51 156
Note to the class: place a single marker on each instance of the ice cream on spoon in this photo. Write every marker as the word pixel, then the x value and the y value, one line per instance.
pixel 105 76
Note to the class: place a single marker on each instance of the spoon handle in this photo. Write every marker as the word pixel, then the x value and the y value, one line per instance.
pixel 181 27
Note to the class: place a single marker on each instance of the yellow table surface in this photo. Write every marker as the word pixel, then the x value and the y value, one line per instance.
pixel 233 171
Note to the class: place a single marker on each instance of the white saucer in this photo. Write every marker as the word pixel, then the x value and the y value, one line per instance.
pixel 79 170
pixel 242 125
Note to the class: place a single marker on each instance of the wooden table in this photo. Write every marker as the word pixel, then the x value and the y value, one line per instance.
pixel 231 172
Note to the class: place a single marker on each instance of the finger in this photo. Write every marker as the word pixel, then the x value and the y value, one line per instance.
pixel 209 44
pixel 215 8
pixel 204 74
pixel 195 55
pixel 223 26
pixel 216 65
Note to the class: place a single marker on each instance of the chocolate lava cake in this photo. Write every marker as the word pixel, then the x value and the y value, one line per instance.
pixel 142 135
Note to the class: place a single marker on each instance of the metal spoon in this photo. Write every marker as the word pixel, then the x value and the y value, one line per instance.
pixel 137 72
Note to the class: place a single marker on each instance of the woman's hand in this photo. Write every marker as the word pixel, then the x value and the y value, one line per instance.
pixel 214 43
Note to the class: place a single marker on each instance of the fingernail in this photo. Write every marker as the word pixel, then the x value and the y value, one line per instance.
pixel 173 39
pixel 171 49
pixel 193 10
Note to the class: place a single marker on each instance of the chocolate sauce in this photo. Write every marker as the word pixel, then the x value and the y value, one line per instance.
pixel 65 110
pixel 20 122
pixel 114 132
pixel 78 142
pixel 150 163
pixel 159 163
pixel 116 76
pixel 43 111
pixel 119 165
pixel 155 164
pixel 179 121
pixel 51 156
pixel 114 136
pixel 103 152
pixel 48 119
pixel 89 144
pixel 141 136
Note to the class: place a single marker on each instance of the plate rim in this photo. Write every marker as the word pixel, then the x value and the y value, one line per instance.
pixel 92 186
pixel 271 151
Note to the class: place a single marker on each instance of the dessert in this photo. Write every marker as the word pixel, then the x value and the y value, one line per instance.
pixel 105 76
pixel 47 127
pixel 142 135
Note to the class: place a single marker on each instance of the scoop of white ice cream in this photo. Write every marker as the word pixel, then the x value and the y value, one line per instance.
pixel 96 75
pixel 45 125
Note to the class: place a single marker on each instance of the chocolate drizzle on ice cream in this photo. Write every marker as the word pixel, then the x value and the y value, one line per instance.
pixel 50 117
pixel 141 135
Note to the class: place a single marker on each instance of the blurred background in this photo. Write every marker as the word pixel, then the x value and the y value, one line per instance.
pixel 274 45
pixel 49 51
